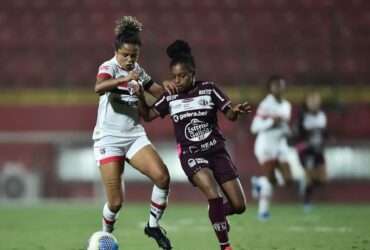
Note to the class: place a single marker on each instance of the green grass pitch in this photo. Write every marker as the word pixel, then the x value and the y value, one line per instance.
pixel 67 226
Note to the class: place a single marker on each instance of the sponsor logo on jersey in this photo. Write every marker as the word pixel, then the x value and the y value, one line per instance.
pixel 102 151
pixel 205 92
pixel 181 117
pixel 191 104
pixel 197 130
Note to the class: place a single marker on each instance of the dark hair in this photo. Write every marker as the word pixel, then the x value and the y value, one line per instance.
pixel 180 52
pixel 274 78
pixel 127 31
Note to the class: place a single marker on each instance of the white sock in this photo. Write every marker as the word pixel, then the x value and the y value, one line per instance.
pixel 157 206
pixel 265 195
pixel 109 218
pixel 263 205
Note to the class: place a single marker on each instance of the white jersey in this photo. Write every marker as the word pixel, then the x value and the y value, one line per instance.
pixel 271 138
pixel 117 113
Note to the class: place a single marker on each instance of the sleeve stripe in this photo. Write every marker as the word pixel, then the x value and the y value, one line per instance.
pixel 225 105
pixel 218 95
pixel 104 76
pixel 160 101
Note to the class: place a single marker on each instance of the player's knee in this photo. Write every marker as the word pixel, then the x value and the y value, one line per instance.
pixel 239 208
pixel 162 179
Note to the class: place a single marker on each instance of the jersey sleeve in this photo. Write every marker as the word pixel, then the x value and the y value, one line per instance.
pixel 145 80
pixel 162 106
pixel 220 99
pixel 105 71
pixel 262 120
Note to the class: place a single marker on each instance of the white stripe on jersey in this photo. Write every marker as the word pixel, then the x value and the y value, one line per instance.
pixel 218 95
pixel 189 104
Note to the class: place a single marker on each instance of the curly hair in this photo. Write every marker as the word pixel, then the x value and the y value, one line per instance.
pixel 127 31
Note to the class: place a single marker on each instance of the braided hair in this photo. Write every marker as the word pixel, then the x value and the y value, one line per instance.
pixel 127 31
pixel 180 52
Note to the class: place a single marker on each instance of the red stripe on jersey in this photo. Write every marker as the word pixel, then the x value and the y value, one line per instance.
pixel 104 76
pixel 159 206
pixel 112 159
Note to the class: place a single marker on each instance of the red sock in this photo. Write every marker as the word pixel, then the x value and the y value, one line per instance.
pixel 217 217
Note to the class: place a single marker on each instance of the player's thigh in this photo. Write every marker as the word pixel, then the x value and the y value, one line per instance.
pixel 111 175
pixel 268 168
pixel 235 194
pixel 149 163
pixel 206 182
pixel 319 173
pixel 285 170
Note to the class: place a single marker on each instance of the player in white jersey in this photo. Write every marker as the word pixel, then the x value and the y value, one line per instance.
pixel 271 124
pixel 119 136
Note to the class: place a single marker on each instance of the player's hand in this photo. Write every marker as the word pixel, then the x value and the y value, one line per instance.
pixel 242 108
pixel 169 86
pixel 136 88
pixel 132 75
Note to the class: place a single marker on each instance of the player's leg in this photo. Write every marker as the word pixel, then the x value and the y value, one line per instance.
pixel 145 159
pixel 234 193
pixel 111 164
pixel 206 182
pixel 285 171
pixel 111 172
pixel 265 186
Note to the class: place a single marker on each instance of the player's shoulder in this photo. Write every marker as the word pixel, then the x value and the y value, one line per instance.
pixel 202 85
pixel 108 64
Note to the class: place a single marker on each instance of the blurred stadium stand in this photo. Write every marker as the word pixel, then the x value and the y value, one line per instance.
pixel 50 52
pixel 235 41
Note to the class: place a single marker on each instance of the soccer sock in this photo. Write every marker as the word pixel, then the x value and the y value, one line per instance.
pixel 308 194
pixel 217 217
pixel 109 218
pixel 158 205
pixel 228 209
pixel 265 195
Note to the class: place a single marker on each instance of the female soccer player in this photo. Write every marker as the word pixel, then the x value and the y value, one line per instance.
pixel 271 126
pixel 310 137
pixel 201 146
pixel 118 134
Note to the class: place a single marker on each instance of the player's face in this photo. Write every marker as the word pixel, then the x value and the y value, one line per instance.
pixel 278 87
pixel 127 55
pixel 183 78
pixel 313 102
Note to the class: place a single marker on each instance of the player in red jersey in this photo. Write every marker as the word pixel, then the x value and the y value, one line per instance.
pixel 119 136
pixel 201 146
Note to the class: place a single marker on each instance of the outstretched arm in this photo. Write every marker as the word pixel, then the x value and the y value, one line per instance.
pixel 233 112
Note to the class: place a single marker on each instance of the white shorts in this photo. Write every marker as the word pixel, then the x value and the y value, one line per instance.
pixel 268 151
pixel 111 148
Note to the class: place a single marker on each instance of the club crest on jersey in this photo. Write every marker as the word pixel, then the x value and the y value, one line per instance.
pixel 197 130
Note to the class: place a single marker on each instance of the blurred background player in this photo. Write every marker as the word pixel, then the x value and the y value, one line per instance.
pixel 201 146
pixel 270 124
pixel 118 135
pixel 309 136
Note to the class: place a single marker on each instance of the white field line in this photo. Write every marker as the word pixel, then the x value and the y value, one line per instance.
pixel 320 229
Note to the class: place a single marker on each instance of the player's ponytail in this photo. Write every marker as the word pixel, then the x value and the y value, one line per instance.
pixel 180 52
pixel 127 31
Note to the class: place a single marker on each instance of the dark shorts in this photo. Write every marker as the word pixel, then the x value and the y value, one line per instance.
pixel 311 159
pixel 218 161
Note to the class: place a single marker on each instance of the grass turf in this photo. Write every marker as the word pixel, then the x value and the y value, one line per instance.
pixel 67 226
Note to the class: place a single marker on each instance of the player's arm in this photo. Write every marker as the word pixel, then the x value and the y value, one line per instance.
pixel 104 83
pixel 232 113
pixel 262 122
pixel 146 112
pixel 158 90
